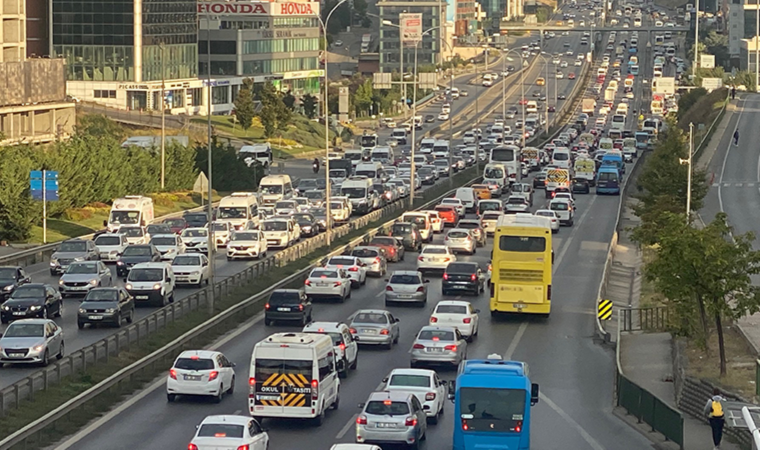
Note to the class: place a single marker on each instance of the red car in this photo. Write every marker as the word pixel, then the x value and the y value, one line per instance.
pixel 522 102
pixel 448 214
pixel 176 225
pixel 571 76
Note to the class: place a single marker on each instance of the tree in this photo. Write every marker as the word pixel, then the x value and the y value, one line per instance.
pixel 245 109
pixel 688 100
pixel 289 101
pixel 99 125
pixel 309 104
pixel 274 114
pixel 363 98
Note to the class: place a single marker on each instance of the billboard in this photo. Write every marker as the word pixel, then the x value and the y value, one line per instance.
pixel 411 28
pixel 664 86
pixel 712 84
pixel 258 8
pixel 32 81
pixel 706 61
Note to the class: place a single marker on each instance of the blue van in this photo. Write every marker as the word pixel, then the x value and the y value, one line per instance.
pixel 608 180
pixel 614 159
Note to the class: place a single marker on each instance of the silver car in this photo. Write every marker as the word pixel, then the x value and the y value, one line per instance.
pixel 31 341
pixel 375 327
pixel 70 251
pixel 391 417
pixel 373 258
pixel 195 240
pixel 438 345
pixel 460 240
pixel 80 277
pixel 516 204
pixel 406 286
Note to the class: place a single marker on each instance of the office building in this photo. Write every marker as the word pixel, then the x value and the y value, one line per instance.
pixel 266 41
pixel 120 52
pixel 747 56
pixel 515 9
pixel 465 22
pixel 428 51
pixel 37 28
pixel 13 30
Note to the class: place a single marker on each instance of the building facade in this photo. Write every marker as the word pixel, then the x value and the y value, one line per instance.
pixel 515 9
pixel 465 21
pixel 12 30
pixel 428 51
pixel 275 41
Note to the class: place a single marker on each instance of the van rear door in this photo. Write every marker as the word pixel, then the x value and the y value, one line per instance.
pixel 282 383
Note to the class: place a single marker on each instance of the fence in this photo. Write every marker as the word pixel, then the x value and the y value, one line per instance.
pixel 161 357
pixel 656 318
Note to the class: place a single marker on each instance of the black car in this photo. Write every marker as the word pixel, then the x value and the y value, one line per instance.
pixel 463 277
pixel 539 181
pixel 108 305
pixel 580 186
pixel 287 305
pixel 320 218
pixel 158 228
pixel 308 224
pixel 409 234
pixel 135 254
pixel 11 277
pixel 196 219
pixel 33 300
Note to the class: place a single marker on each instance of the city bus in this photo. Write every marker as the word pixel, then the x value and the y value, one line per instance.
pixel 492 400
pixel 522 259
pixel 509 155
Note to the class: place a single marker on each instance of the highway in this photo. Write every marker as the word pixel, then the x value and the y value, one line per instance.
pixel 575 374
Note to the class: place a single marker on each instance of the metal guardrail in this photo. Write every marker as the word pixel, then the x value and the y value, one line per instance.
pixel 656 318
pixel 168 352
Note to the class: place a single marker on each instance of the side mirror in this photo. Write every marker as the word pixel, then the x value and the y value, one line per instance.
pixel 452 387
pixel 427 281
pixel 385 379
pixel 105 223
pixel 361 405
pixel 396 320
pixel 533 394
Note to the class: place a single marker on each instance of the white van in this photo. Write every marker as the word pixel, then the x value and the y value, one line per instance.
pixel 293 375
pixel 399 134
pixel 281 232
pixel 372 170
pixel 356 156
pixel 561 157
pixel 618 122
pixel 130 210
pixel 261 153
pixel 381 153
pixel 496 173
pixel 531 107
pixel 274 188
pixel 426 145
pixel 358 189
pixel 467 195
pixel 422 219
pixel 238 209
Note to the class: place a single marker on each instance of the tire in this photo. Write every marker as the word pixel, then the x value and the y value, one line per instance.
pixel 231 390
pixel 171 298
pixel 62 350
pixel 171 398
pixel 80 325
pixel 388 303
pixel 267 322
pixel 59 312
pixel 303 319
pixel 356 362
pixel 44 313
pixel 131 317
pixel 336 403
pixel 433 420
pixel 344 373
pixel 118 320
pixel 45 359
pixel 220 395
pixel 389 345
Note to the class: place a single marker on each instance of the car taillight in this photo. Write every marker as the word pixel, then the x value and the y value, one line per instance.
pixel 314 390
pixel 421 258
pixel 192 447
pixel 337 283
pixel 445 276
pixel 421 289
pixel 446 259
pixel 467 320
pixel 173 374
pixel 384 331
pixel 518 426
pixel 418 346
pixel 433 320
pixel 266 306
pixel 212 375
pixel 342 346
pixel 446 238
pixel 244 447
pixel 361 420
pixel 352 330
pixel 452 348
pixel 410 422
pixel 388 288
pixel 377 260
pixel 473 277
pixel 353 269
pixel 300 307
pixel 307 283
pixel 252 381
pixel 549 292
pixel 430 396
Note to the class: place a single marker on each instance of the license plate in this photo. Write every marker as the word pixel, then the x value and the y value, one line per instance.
pixel 18 313
pixel 386 425
pixel 369 331
pixel 434 350
pixel 141 297
pixel 95 317
pixel 192 377
pixel 268 397
pixel 404 296
pixel 283 309
pixel 16 355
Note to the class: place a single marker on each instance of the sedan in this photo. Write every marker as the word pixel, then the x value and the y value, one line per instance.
pixel 443 116
pixel 460 240
pixel 192 269
pixel 195 239
pixel 571 76
pixel 328 284
pixel 80 277
pixel 517 204
pixel 457 314
pixel 429 118
pixel 12 277
pixel 135 235
pixel 177 224
pixel 373 258
pixel 136 254
pixel 406 286
pixel 222 232
pixel 424 384
pixel 475 227
pixel 247 244
pixel 354 267
pixel 392 417
pixel 200 373
pixel 580 186
pixel 435 257
pixel 463 277
pixel 438 345
pixel 552 216
pixel 32 300
pixel 456 203
pixel 106 305
pixel 375 327
pixel 229 432
pixel 31 341
pixel 563 64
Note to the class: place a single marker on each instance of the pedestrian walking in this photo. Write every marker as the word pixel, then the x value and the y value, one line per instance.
pixel 733 92
pixel 736 137
pixel 714 412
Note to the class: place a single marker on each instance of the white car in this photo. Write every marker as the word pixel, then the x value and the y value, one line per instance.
pixel 353 266
pixel 517 204
pixel 355 447
pixel 345 346
pixel 443 116
pixel 456 203
pixel 192 268
pixel 578 62
pixel 135 235
pixel 460 240
pixel 560 75
pixel 200 373
pixel 328 283
pixel 110 246
pixel 458 314
pixel 567 196
pixel 281 231
pixel 229 432
pixel 435 257
pixel 247 244
pixel 564 211
pixel 424 384
pixel 551 215
pixel 469 138
pixel 222 232
pixel 195 240
pixel 435 221
pixel 488 220
pixel 285 208
pixel 170 245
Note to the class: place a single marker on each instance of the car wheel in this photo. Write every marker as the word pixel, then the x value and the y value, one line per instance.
pixel 317 421
pixel 59 356
pixel 131 316
pixel 344 373
pixel 336 403
pixel 44 313
pixel 218 397
pixel 80 325
pixel 364 280
pixel 304 320
pixel 267 322
pixel 118 320
pixel 171 397
pixel 45 359
pixel 59 312
pixel 388 302
pixel 231 390
pixel 356 362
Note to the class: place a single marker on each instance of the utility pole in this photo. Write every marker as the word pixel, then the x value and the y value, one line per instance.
pixel 688 163
pixel 210 212
pixel 163 116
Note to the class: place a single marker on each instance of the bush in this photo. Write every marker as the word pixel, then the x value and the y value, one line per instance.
pixel 703 111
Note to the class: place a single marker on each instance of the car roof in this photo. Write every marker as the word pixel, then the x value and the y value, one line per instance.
pixel 31 321
pixel 316 326
pixel 405 272
pixel 370 311
pixel 399 396
pixel 151 265
pixel 205 354
pixel 404 371
pixel 437 328
pixel 228 418
pixel 287 291
pixel 433 246
pixel 453 303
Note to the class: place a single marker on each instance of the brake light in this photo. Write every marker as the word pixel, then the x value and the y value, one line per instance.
pixel 467 320
pixel 252 381
pixel 445 276
pixel 465 427
pixel 307 283
pixel 433 320
pixel 337 283
pixel 430 396
pixel 244 447
pixel 384 331
pixel 549 292
pixel 352 330
pixel 388 288
pixel 353 269
pixel 421 258
pixel 518 426
pixel 212 375
pixel 300 307
pixel 342 346
pixel 452 348
pixel 418 346
pixel 421 289
pixel 473 277
pixel 411 422
pixel 446 259
pixel 266 306
pixel 377 260
pixel 173 374
pixel 192 447
pixel 314 390
pixel 361 420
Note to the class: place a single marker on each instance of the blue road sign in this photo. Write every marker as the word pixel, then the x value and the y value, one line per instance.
pixel 51 185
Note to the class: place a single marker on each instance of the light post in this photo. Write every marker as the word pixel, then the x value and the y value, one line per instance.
pixel 210 210
pixel 522 89
pixel 163 116
pixel 328 213
pixel 687 162
pixel 546 90
pixel 696 40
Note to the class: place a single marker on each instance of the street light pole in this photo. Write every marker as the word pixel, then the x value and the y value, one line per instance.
pixel 696 39
pixel 210 211
pixel 163 117
pixel 688 163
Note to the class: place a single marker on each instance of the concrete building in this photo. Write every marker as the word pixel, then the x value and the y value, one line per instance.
pixel 428 51
pixel 515 9
pixel 465 21
pixel 747 55
pixel 275 41
pixel 13 30
pixel 494 11
pixel 37 28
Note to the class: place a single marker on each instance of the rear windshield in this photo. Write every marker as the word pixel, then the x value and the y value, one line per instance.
pixel 522 244
pixel 558 206
pixel 324 274
pixel 221 430
pixel 451 309
pixel 364 253
pixel 458 234
pixel 436 335
pixel 405 279
pixel 370 318
pixel 486 216
pixel 194 364
pixel 341 262
pixel 108 240
pixel 383 409
pixel 409 380
pixel 461 268
pixel 284 298
pixel 435 251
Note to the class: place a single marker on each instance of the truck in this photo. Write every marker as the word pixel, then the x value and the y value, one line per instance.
pixel 531 157
pixel 588 106
pixel 609 94
pixel 130 210
pixel 585 168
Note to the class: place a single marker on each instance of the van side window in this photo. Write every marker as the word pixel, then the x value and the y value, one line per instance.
pixel 326 366
pixel 254 210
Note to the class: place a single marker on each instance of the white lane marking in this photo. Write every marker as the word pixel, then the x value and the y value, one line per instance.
pixel 352 420
pixel 515 341
pixel 73 440
pixel 380 294
pixel 725 160
pixel 576 227
pixel 584 434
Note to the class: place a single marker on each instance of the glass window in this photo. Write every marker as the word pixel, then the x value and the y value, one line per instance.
pixel 196 96
pixel 220 95
pixel 522 244
pixel 492 410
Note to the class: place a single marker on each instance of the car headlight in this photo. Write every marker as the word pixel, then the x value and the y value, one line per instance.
pixel 110 310
pixel 8 288
pixel 128 286
pixel 119 263
pixel 82 311
pixel 113 252
pixel 35 308
pixel 60 282
pixel 79 258
pixel 53 262
pixel 94 282
pixel 157 286
pixel 38 348
pixel 6 308
pixel 306 228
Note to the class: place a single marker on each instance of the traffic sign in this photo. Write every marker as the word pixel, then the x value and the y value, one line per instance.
pixel 605 309
pixel 50 180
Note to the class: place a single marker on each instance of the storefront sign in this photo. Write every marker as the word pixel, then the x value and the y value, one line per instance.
pixel 272 34
pixel 303 74
pixel 258 8
pixel 132 87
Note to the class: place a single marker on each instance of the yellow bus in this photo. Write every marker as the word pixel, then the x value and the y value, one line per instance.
pixel 522 258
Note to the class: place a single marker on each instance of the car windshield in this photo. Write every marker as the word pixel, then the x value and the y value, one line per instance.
pixel 383 408
pixel 194 363
pixel 461 268
pixel 436 335
pixel 220 226
pixel 314 195
pixel 545 213
pixel 195 233
pixel 307 183
pixel 108 240
pixel 559 206
pixel 516 201
pixel 8 273
pixel 451 309
pixel 303 218
pixel 146 275
pixel 132 232
pixel 78 269
pixel 245 236
pixel 25 330
pixel 73 247
pixel 486 216
pixel 383 241
pixel 492 409
pixel 187 260
pixel 371 318
pixel 276 225
pixel 285 205
pixel 354 192
pixel 364 253
pixel 230 212
pixel 284 298
pixel 158 229
pixel 175 222
pixel 492 206
pixel 221 430
pixel 163 241
pixel 271 189
pixel 434 250
pixel 196 219
pixel 409 380
pixel 124 217
pixel 402 228
pixel 101 295
pixel 28 292
pixel 137 251
pixel 405 279
pixel 493 173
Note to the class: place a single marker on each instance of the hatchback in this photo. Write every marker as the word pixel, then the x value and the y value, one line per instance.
pixel 438 345
pixel 82 276
pixel 458 314
pixel 373 258
pixel 375 327
pixel 354 267
pixel 393 247
pixel 288 305
pixel 476 228
pixel 463 276
pixel 328 284
pixel 406 286
pixel 448 214
pixel 551 215
pixel 434 257
pixel 460 240
pixel 391 417
pixel 229 432
pixel 200 373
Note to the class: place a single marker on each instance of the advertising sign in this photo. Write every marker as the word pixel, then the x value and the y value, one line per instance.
pixel 712 84
pixel 707 61
pixel 258 8
pixel 664 86
pixel 411 28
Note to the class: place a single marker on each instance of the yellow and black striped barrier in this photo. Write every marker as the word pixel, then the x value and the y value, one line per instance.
pixel 605 309
pixel 293 389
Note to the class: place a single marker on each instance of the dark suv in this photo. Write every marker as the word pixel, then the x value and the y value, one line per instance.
pixel 288 305
pixel 463 276
pixel 409 234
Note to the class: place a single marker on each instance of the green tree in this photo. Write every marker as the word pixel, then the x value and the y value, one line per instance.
pixel 688 100
pixel 237 176
pixel 363 98
pixel 289 101
pixel 99 125
pixel 245 109
pixel 360 8
pixel 309 104
pixel 274 114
